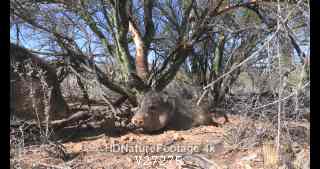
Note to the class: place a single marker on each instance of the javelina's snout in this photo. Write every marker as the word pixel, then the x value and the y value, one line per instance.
pixel 137 121
pixel 138 118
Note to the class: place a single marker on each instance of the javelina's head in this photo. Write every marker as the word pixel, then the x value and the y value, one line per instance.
pixel 154 111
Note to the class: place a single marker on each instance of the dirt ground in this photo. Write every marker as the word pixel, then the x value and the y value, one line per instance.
pixel 199 147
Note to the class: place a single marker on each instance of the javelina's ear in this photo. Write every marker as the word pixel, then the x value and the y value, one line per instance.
pixel 134 109
pixel 165 97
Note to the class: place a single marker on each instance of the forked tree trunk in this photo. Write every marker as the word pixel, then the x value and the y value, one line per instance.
pixel 141 60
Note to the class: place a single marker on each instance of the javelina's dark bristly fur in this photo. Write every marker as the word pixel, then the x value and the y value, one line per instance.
pixel 170 109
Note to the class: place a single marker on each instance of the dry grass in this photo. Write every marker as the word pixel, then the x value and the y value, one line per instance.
pixel 270 155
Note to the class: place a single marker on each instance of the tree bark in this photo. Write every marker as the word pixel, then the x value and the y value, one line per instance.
pixel 21 74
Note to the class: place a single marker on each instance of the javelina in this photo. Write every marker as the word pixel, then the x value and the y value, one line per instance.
pixel 34 88
pixel 158 110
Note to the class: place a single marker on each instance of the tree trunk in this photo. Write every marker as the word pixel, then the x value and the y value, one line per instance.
pixel 34 79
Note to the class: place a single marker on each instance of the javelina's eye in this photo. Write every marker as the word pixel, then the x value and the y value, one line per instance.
pixel 152 107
